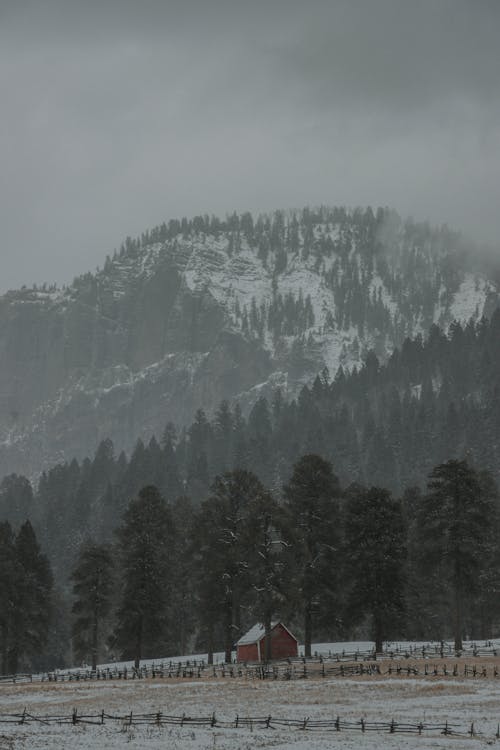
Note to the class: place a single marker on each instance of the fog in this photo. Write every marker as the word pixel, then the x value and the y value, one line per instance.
pixel 118 115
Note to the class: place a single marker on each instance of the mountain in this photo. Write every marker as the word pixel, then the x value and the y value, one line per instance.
pixel 194 312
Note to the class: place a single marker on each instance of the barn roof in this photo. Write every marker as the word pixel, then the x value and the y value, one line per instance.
pixel 258 631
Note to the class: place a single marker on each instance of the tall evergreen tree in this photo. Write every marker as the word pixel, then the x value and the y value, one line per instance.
pixel 266 561
pixel 457 519
pixel 375 553
pixel 223 555
pixel 9 575
pixel 145 544
pixel 183 588
pixel 311 505
pixel 92 587
pixel 32 610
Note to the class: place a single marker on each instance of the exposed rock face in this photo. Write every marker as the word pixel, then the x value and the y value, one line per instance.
pixel 181 323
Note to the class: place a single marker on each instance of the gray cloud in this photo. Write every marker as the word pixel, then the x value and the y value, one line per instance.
pixel 118 115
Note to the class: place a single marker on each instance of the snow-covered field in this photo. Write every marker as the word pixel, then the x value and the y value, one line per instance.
pixel 459 701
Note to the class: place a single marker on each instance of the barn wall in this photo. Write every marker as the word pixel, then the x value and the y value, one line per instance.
pixel 282 644
pixel 247 652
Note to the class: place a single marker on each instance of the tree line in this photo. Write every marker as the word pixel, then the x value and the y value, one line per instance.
pixel 385 425
pixel 333 562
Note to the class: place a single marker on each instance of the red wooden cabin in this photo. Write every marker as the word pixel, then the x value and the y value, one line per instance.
pixel 251 646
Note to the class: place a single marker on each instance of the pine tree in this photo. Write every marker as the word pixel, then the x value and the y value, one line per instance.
pixel 9 575
pixel 183 589
pixel 375 553
pixel 223 554
pixel 266 562
pixel 32 602
pixel 457 519
pixel 311 506
pixel 92 587
pixel 145 544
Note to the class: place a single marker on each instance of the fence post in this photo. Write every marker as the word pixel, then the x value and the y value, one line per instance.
pixel 213 720
pixel 362 725
pixel 74 718
pixel 392 727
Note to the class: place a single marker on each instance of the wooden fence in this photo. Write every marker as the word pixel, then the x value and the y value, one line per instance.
pixel 412 651
pixel 291 669
pixel 160 719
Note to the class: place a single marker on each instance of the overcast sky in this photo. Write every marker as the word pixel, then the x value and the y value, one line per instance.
pixel 119 114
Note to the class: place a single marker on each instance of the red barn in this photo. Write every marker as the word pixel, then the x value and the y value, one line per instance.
pixel 252 647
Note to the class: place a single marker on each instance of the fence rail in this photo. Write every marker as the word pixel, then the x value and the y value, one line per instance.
pixel 160 719
pixel 287 670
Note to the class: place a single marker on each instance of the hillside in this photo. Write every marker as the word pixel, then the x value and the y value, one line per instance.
pixel 198 311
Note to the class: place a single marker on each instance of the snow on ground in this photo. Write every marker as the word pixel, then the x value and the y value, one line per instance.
pixel 459 701
pixel 412 700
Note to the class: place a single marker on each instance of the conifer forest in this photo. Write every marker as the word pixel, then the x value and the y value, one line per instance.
pixel 358 503
pixel 365 507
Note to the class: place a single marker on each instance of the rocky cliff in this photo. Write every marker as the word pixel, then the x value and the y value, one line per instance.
pixel 196 312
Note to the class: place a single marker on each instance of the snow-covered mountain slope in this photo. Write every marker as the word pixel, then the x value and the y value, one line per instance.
pixel 196 312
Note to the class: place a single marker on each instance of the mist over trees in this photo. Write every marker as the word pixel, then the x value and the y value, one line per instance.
pixel 382 425
pixel 304 288
pixel 368 506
